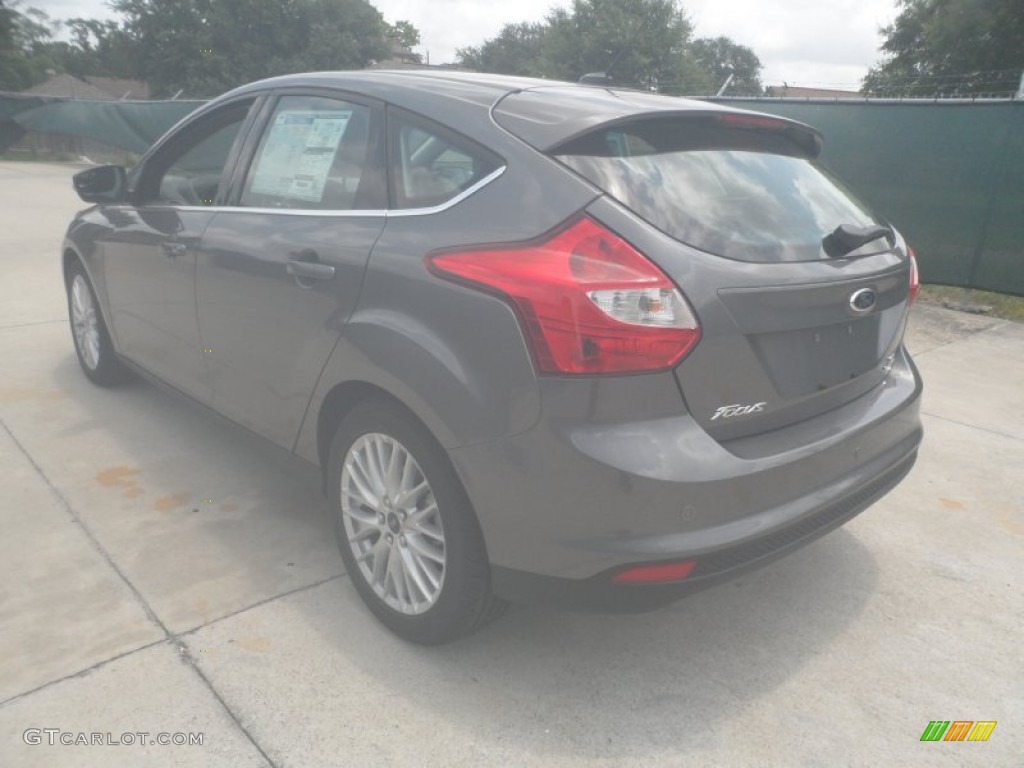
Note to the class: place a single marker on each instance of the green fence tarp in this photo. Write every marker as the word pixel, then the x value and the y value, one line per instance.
pixel 950 176
pixel 131 125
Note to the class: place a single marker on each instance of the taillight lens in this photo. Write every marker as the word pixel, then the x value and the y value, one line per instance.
pixel 915 281
pixel 588 301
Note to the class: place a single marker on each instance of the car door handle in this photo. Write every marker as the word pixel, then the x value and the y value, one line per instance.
pixel 173 250
pixel 307 266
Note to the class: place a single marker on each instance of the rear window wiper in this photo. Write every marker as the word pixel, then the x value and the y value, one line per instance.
pixel 846 238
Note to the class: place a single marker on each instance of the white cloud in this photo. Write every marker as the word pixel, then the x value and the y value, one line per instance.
pixel 798 41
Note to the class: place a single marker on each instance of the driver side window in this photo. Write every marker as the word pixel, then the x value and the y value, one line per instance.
pixel 188 173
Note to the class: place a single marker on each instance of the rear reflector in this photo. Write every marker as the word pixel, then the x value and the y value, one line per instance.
pixel 588 302
pixel 655 574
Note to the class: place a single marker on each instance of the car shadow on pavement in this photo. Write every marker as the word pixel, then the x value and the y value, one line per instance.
pixel 604 686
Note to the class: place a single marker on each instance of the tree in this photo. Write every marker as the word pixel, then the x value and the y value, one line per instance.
pixel 721 57
pixel 405 33
pixel 202 47
pixel 207 46
pixel 23 37
pixel 952 48
pixel 95 48
pixel 516 50
pixel 638 43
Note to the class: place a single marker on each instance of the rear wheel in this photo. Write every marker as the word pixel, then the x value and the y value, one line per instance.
pixel 92 340
pixel 407 533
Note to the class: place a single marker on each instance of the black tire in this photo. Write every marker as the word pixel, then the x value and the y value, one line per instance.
pixel 108 369
pixel 464 603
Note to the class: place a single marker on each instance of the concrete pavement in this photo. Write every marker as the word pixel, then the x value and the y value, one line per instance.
pixel 162 573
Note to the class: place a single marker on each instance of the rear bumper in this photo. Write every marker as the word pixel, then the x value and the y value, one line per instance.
pixel 613 475
pixel 599 594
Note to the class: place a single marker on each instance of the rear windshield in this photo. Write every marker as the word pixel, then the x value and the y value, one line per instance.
pixel 746 194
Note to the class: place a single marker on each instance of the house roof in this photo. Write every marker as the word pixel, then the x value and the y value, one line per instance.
pixel 90 88
pixel 118 87
pixel 799 92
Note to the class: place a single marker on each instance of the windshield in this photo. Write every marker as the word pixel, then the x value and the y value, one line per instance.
pixel 744 194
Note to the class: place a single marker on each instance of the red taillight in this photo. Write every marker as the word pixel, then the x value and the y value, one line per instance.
pixel 588 301
pixel 915 281
pixel 655 574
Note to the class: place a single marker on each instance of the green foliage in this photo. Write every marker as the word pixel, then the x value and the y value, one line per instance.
pixel 207 46
pixel 406 34
pixel 640 43
pixel 721 57
pixel 201 47
pixel 95 48
pixel 951 48
pixel 516 50
pixel 24 59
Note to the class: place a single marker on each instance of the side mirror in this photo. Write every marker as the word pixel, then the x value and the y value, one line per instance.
pixel 104 184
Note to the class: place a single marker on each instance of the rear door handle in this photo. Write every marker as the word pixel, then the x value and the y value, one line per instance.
pixel 173 250
pixel 306 266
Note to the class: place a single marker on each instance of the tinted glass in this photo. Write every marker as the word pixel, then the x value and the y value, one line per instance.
pixel 193 169
pixel 316 153
pixel 433 165
pixel 744 194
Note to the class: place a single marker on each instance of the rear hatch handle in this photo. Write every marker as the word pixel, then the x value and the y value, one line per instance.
pixel 845 238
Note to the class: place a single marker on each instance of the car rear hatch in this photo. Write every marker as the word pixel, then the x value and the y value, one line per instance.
pixel 801 292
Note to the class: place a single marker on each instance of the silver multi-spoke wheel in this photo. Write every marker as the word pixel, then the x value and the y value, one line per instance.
pixel 392 523
pixel 84 322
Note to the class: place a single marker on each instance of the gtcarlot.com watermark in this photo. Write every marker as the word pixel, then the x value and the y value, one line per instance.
pixel 55 736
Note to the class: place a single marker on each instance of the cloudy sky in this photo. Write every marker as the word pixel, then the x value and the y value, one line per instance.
pixel 806 42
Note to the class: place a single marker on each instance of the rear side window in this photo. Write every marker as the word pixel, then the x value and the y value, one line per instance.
pixel 746 194
pixel 430 164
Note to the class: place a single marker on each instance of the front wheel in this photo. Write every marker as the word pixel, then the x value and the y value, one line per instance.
pixel 92 340
pixel 407 533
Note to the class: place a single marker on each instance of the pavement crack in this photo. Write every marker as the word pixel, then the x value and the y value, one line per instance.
pixel 971 426
pixel 169 636
pixel 81 672
pixel 258 603
pixel 142 602
pixel 33 322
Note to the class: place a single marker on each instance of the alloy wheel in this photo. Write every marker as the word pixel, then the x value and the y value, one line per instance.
pixel 84 322
pixel 393 524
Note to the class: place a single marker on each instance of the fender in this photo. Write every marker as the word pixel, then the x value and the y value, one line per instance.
pixel 92 262
pixel 436 371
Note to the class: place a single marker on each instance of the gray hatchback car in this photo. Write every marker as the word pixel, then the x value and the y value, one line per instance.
pixel 547 342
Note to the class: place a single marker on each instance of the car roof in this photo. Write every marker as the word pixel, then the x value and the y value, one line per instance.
pixel 455 85
pixel 543 113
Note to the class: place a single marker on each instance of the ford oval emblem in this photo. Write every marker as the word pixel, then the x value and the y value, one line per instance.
pixel 862 300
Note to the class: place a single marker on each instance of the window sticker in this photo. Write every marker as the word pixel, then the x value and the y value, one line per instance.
pixel 298 154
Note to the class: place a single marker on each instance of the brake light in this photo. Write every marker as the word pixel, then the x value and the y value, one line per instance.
pixel 655 574
pixel 751 121
pixel 588 301
pixel 915 280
